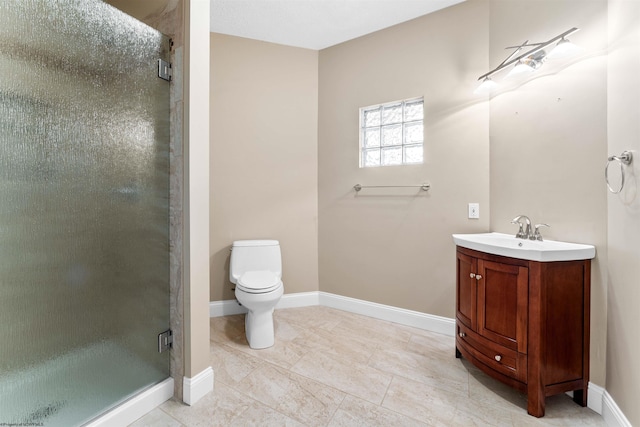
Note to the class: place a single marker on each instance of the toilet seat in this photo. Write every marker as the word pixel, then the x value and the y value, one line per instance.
pixel 258 282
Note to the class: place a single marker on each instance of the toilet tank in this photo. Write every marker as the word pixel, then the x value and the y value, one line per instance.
pixel 254 255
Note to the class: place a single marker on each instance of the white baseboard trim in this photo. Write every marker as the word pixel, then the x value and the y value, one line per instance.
pixel 402 316
pixel 611 413
pixel 595 397
pixel 225 308
pixel 137 406
pixel 300 299
pixel 193 389
pixel 600 401
pixel 231 307
pixel 429 322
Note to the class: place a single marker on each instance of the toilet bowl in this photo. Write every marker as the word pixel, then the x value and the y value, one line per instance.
pixel 256 270
pixel 259 319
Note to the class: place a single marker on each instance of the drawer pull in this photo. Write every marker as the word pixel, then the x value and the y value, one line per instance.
pixel 462 335
pixel 473 276
pixel 498 358
pixel 478 277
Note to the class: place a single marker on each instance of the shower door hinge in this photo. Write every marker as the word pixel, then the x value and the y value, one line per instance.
pixel 164 70
pixel 165 340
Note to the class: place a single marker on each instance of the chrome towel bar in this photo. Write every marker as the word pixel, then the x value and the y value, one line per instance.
pixel 423 187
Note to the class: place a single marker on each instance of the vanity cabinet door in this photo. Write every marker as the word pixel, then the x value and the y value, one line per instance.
pixel 466 294
pixel 503 304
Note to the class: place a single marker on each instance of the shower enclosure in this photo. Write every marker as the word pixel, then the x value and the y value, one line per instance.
pixel 84 208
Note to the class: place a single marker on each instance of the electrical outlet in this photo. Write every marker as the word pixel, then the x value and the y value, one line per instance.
pixel 474 210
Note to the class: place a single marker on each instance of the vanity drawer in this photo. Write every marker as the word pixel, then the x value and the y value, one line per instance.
pixel 502 359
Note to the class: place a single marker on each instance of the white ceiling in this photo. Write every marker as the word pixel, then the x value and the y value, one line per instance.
pixel 314 24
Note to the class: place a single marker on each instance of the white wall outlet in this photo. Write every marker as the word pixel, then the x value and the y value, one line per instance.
pixel 474 210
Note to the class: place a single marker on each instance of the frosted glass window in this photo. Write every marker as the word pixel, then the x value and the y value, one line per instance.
pixel 372 156
pixel 413 111
pixel 392 134
pixel 392 114
pixel 391 156
pixel 372 137
pixel 413 154
pixel 372 117
pixel 413 133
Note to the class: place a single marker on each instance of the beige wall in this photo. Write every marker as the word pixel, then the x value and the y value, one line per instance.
pixel 264 102
pixel 394 247
pixel 623 297
pixel 548 138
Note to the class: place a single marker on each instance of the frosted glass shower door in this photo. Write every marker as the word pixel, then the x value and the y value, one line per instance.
pixel 84 206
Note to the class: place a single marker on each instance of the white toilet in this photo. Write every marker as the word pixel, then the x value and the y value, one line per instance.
pixel 256 270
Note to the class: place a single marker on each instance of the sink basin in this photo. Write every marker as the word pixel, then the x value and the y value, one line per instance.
pixel 532 250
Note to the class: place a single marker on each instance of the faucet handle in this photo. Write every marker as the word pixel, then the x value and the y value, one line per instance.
pixel 536 234
pixel 520 233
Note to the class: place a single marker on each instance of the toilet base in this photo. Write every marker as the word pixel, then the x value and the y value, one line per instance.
pixel 259 329
pixel 258 323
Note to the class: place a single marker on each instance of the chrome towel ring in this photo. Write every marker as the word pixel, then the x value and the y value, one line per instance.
pixel 623 159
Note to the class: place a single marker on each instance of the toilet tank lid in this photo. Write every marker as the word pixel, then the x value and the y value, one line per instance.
pixel 256 243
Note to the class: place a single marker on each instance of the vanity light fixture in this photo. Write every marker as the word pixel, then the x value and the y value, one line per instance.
pixel 529 61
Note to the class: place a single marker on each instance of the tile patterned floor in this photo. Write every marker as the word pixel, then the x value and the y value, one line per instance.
pixel 334 368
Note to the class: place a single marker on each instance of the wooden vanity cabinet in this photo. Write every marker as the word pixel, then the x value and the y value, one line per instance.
pixel 525 323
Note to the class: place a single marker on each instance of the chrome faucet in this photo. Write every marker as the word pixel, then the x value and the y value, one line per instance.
pixel 523 234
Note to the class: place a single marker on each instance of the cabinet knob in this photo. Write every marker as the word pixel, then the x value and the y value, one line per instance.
pixel 478 277
pixel 462 335
pixel 498 357
pixel 472 275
